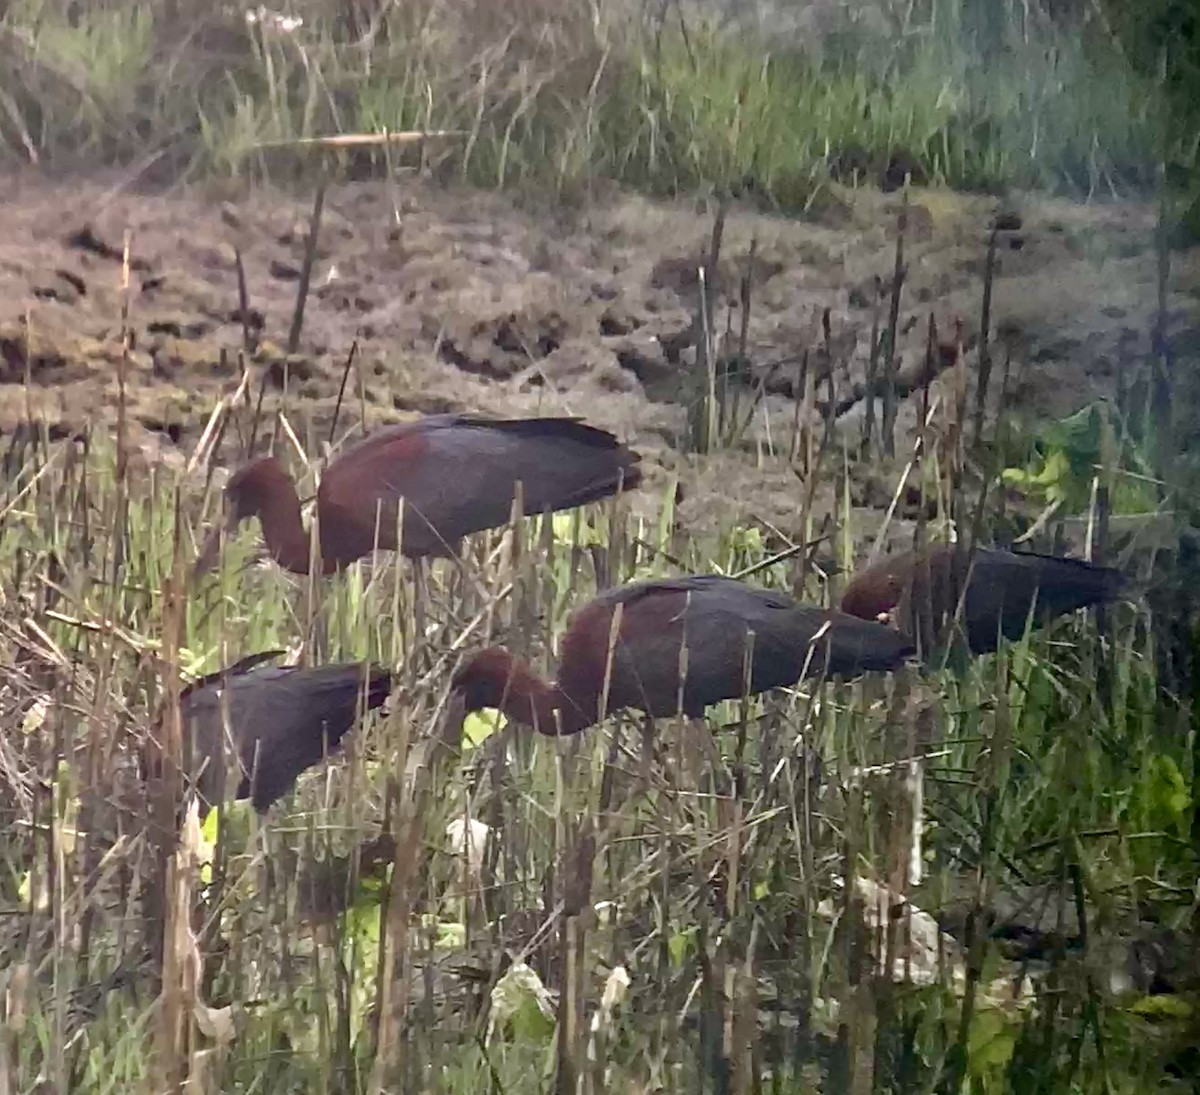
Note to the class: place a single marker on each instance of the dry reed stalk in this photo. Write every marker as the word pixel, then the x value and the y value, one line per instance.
pixel 14 1020
pixel 994 779
pixel 985 327
pixel 576 838
pixel 423 763
pixel 179 979
pixel 892 360
pixel 872 370
pixel 306 268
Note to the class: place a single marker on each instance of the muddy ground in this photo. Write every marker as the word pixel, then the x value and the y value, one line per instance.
pixel 468 300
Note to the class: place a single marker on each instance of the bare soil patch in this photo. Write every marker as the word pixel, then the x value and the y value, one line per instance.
pixel 468 300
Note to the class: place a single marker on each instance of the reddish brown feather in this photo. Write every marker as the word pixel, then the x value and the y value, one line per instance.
pixel 456 475
pixel 715 615
pixel 923 589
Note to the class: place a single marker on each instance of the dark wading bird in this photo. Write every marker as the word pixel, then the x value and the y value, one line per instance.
pixel 457 475
pixel 920 591
pixel 282 720
pixel 716 614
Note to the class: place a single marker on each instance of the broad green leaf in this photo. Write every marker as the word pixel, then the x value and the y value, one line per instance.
pixel 1165 1006
pixel 679 944
pixel 530 1023
pixel 481 725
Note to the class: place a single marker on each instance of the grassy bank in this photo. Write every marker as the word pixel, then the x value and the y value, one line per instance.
pixel 562 95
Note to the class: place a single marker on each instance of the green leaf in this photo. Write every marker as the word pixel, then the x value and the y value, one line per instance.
pixel 990 1044
pixel 679 944
pixel 210 827
pixel 746 538
pixel 1166 1006
pixel 481 725
pixel 206 849
pixel 521 1004
pixel 666 513
pixel 563 524
pixel 363 922
pixel 451 936
pixel 1068 453
pixel 1078 437
pixel 1170 790
pixel 530 1023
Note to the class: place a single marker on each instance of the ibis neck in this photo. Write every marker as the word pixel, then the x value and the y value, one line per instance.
pixel 535 703
pixel 284 531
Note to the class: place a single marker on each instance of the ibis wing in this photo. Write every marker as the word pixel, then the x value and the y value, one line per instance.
pixel 763 637
pixel 710 614
pixel 1005 584
pixel 282 721
pixel 925 588
pixel 458 475
pixel 237 669
pixel 734 634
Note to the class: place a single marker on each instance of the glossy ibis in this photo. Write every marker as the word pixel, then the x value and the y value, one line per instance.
pixel 716 613
pixel 1001 586
pixel 456 473
pixel 281 720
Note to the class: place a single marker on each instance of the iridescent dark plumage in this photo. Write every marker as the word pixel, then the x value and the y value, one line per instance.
pixel 282 721
pixel 715 615
pixel 921 590
pixel 456 473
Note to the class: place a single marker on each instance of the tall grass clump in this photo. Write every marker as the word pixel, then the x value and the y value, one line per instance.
pixel 671 100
